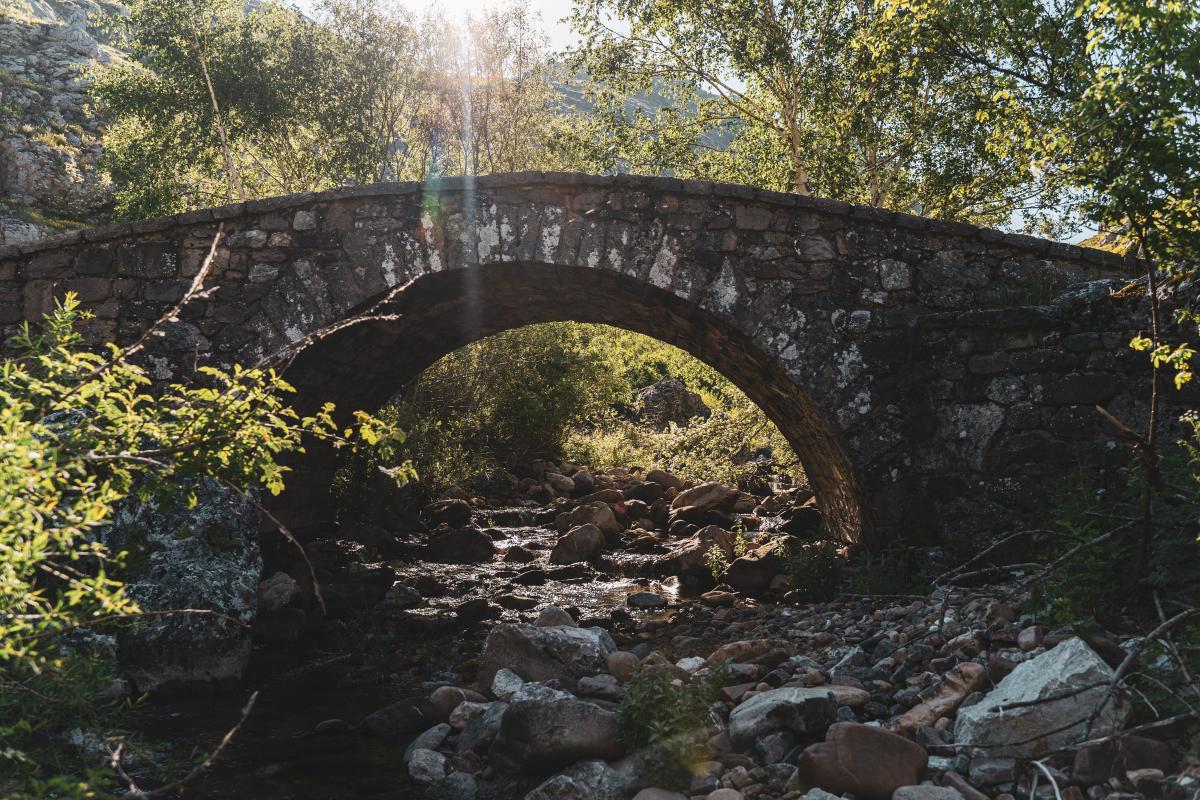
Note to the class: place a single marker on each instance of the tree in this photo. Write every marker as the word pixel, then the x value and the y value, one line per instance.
pixel 811 96
pixel 222 104
pixel 1105 95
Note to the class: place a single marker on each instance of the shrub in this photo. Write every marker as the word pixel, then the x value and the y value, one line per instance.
pixel 669 718
pixel 813 570
pixel 80 432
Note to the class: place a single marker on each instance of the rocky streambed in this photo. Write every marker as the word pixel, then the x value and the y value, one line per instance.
pixel 504 652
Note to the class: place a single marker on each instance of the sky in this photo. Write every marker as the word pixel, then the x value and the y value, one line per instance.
pixel 552 13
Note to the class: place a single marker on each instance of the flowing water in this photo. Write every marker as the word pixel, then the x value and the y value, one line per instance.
pixel 277 755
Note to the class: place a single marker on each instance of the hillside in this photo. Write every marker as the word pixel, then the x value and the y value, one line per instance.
pixel 49 145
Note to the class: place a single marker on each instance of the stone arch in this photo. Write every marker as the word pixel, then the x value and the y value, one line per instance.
pixel 365 365
pixel 933 383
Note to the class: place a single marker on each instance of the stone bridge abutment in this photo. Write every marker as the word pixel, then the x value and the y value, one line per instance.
pixel 918 367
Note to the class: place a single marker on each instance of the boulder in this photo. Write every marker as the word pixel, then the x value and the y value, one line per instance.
pixel 552 729
pixel 552 616
pixel 868 762
pixel 558 652
pixel 802 710
pixel 596 513
pixel 203 555
pixel 587 780
pixel 426 766
pixel 710 496
pixel 456 513
pixel 667 401
pixel 429 740
pixel 482 730
pixel 461 546
pixel 1008 721
pixel 583 481
pixel 957 684
pixel 402 718
pixel 753 572
pixel 689 558
pixel 560 483
pixel 582 543
pixel 276 592
pixel 665 478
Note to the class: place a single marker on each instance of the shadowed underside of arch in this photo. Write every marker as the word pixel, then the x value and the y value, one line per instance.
pixel 365 365
pixel 901 356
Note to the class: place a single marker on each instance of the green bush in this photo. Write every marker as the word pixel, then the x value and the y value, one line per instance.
pixel 567 390
pixel 670 719
pixel 80 432
pixel 813 570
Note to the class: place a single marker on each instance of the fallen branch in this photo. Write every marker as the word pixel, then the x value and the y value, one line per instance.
pixel 138 793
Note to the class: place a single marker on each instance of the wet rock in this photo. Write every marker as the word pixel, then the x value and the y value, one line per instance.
pixel 402 718
pixel 461 546
pixel 553 730
pixel 587 780
pixel 429 740
pixel 188 556
pixel 445 699
pixel 552 616
pixel 645 600
pixel 517 602
pixel 542 654
pixel 581 543
pixel 658 794
pixel 276 592
pixel 594 513
pixel 476 609
pixel 426 766
pixel 401 596
pixel 806 711
pixel 482 730
pixel 518 554
pixel 1000 725
pixel 455 512
pixel 689 558
pixel 667 401
pixel 753 572
pixel 868 762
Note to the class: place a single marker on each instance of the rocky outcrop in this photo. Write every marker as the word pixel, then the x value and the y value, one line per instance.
pixel 49 137
pixel 201 557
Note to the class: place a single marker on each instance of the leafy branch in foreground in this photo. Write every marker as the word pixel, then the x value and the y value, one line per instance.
pixel 81 431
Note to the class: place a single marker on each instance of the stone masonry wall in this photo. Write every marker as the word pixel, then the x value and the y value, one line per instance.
pixel 918 366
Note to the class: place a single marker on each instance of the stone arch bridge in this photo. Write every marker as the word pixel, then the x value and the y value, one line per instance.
pixel 917 366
